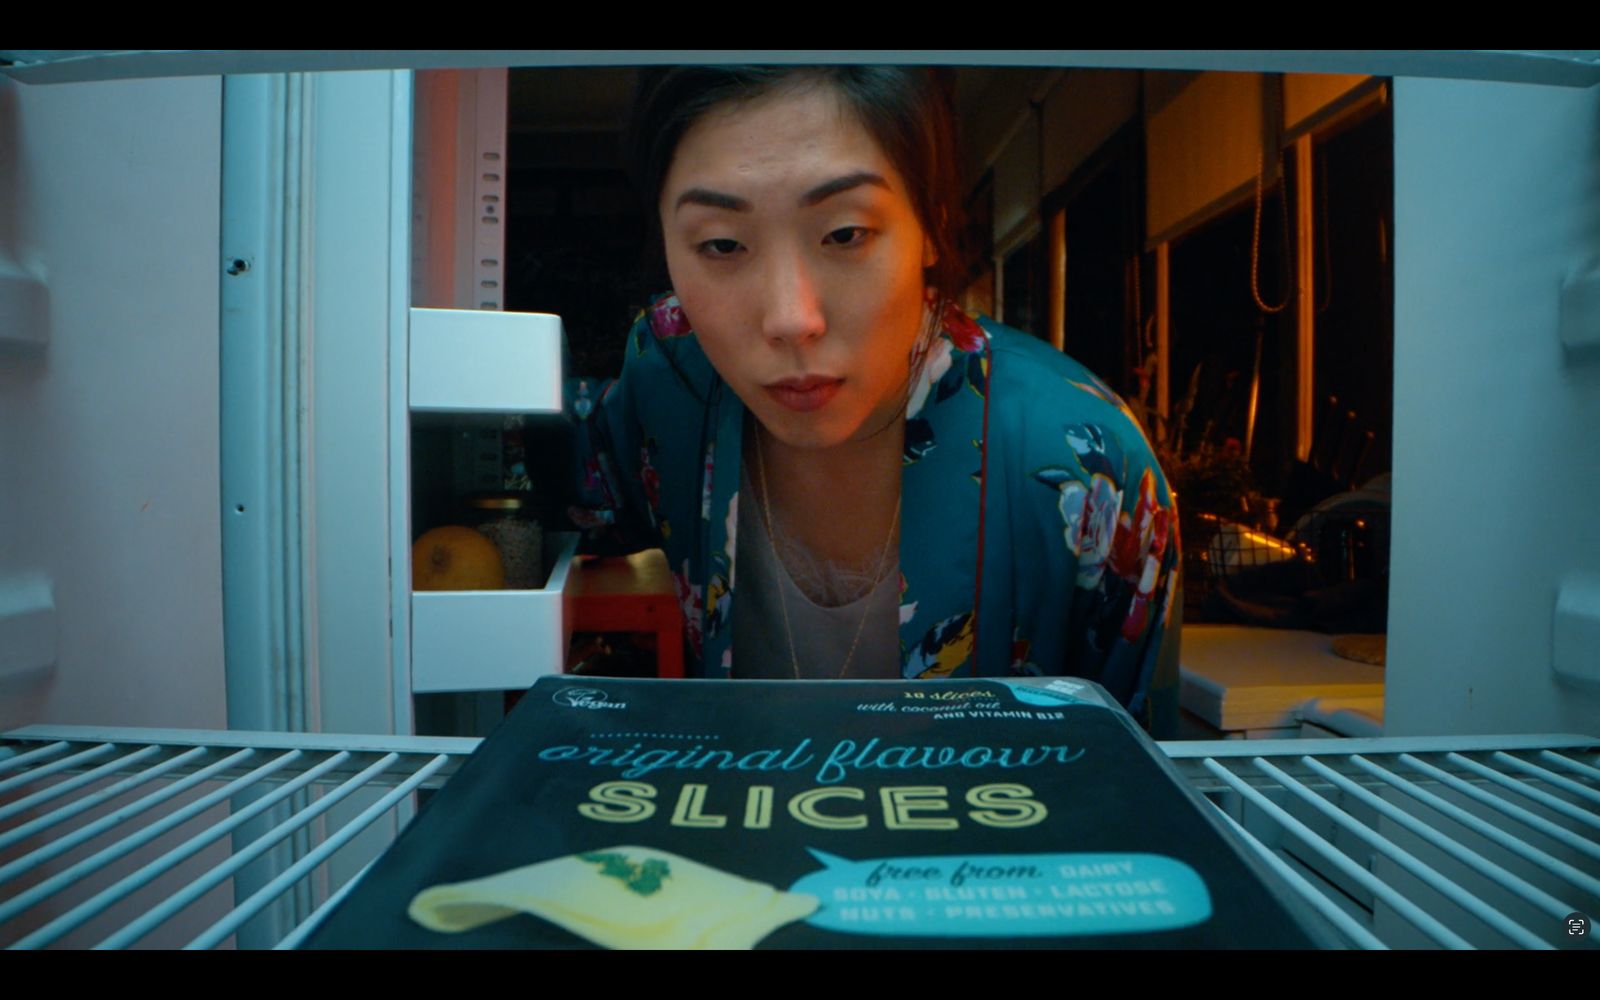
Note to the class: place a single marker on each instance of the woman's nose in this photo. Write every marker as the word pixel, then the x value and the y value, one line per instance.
pixel 794 313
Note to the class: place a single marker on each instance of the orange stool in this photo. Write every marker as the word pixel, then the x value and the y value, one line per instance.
pixel 631 594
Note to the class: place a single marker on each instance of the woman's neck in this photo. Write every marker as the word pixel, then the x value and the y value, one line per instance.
pixel 839 502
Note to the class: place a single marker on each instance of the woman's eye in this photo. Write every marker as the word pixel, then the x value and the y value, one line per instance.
pixel 847 236
pixel 720 247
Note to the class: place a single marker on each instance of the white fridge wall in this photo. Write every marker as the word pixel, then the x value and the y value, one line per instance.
pixel 109 467
pixel 109 463
pixel 360 289
pixel 1496 430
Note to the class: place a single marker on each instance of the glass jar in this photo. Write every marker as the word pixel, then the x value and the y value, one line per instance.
pixel 506 520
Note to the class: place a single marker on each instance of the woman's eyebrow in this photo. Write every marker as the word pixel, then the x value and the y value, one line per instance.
pixel 820 193
pixel 711 199
pixel 828 189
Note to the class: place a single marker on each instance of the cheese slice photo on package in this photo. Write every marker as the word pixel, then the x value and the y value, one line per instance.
pixel 621 897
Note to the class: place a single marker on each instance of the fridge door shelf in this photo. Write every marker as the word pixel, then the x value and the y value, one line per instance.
pixel 483 361
pixel 1428 842
pixel 494 640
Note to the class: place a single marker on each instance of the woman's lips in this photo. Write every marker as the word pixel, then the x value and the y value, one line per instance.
pixel 805 393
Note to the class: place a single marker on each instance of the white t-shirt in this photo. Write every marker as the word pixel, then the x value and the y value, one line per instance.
pixel 822 635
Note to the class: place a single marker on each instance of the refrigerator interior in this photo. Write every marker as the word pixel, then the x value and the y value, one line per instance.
pixel 140 461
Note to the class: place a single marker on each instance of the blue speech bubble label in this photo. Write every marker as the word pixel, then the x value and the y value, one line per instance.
pixel 1053 692
pixel 1006 895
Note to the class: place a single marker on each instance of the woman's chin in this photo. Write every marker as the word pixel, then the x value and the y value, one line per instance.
pixel 841 421
pixel 808 434
pixel 819 435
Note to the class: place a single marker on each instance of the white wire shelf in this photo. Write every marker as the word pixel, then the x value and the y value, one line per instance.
pixel 112 838
pixel 106 834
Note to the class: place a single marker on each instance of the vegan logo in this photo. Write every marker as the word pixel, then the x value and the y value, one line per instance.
pixel 581 697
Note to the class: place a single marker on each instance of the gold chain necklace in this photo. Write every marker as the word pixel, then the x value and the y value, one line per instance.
pixel 783 603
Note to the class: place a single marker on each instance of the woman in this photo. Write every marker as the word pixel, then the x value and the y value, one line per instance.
pixel 890 488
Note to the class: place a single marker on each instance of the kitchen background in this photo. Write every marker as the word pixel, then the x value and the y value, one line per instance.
pixel 111 380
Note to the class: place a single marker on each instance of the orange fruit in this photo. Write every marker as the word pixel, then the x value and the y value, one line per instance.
pixel 456 558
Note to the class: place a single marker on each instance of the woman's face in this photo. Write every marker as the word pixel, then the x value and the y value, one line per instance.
pixel 798 258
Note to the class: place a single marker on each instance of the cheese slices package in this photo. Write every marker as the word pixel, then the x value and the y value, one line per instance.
pixel 848 814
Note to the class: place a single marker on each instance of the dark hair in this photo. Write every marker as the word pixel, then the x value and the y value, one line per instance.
pixel 907 111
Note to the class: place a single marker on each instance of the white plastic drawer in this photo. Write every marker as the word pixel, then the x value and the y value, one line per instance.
pixel 483 361
pixel 493 640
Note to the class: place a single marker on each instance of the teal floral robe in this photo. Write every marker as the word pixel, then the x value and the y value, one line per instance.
pixel 1038 533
